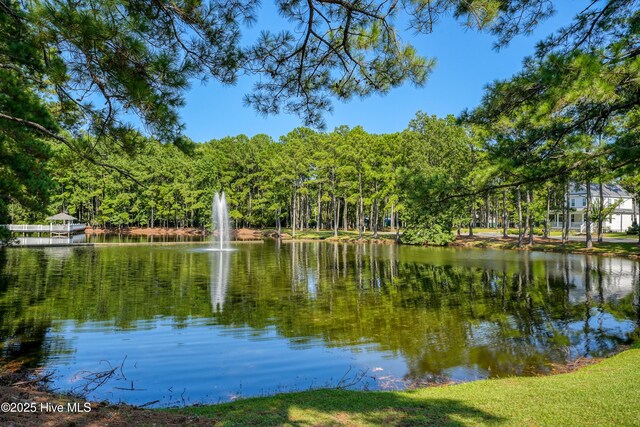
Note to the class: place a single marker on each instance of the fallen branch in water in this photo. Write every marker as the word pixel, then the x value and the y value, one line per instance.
pixel 358 377
pixel 96 380
pixel 37 380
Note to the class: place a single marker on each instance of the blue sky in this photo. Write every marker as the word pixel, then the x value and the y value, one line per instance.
pixel 465 63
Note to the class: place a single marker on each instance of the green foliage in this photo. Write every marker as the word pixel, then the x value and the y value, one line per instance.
pixel 306 173
pixel 440 157
pixel 6 238
pixel 24 176
pixel 572 112
pixel 347 179
pixel 429 231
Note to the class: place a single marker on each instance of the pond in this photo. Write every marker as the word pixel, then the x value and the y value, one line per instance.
pixel 177 325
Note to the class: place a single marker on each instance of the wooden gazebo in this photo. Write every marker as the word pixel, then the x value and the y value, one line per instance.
pixel 62 216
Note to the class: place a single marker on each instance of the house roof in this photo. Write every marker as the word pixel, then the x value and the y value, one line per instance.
pixel 608 190
pixel 61 217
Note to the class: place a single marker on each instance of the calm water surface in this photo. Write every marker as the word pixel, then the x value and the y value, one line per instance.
pixel 184 325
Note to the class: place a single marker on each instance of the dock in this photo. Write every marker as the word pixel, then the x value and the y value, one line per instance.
pixel 67 229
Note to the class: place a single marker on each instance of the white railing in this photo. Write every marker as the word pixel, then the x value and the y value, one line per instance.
pixel 51 240
pixel 560 225
pixel 593 227
pixel 48 228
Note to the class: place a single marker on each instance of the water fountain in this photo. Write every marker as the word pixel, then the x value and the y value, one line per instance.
pixel 220 223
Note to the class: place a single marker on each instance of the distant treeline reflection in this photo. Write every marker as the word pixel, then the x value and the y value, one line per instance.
pixel 439 308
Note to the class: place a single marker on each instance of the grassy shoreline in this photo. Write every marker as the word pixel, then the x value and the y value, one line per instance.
pixel 623 249
pixel 629 249
pixel 605 393
pixel 601 394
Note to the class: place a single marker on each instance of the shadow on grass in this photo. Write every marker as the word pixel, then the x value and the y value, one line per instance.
pixel 341 407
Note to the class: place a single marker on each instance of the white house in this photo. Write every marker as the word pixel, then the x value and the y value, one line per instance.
pixel 620 219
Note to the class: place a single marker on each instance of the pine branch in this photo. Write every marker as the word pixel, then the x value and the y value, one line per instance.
pixel 53 135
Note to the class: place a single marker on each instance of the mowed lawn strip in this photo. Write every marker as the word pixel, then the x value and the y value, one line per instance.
pixel 603 394
pixel 626 249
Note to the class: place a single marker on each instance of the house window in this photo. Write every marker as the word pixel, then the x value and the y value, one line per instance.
pixel 573 203
pixel 584 201
pixel 573 218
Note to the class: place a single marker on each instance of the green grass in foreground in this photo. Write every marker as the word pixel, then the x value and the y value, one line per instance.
pixel 605 394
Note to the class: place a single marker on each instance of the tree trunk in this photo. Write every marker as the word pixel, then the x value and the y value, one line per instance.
pixel 250 205
pixel 546 222
pixel 393 228
pixel 505 216
pixel 308 211
pixel 304 214
pixel 600 210
pixel 294 211
pixel 473 218
pixel 530 215
pixel 527 216
pixel 588 216
pixel 278 223
pixel 375 218
pixel 336 215
pixel 328 217
pixel 371 218
pixel 319 208
pixel 486 210
pixel 345 216
pixel 567 218
pixel 519 217
pixel 361 207
pixel 638 210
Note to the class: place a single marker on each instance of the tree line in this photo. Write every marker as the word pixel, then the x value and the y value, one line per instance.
pixel 435 179
pixel 570 116
pixel 347 179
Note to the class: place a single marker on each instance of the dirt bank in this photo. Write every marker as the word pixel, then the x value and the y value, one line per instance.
pixel 26 403
pixel 147 231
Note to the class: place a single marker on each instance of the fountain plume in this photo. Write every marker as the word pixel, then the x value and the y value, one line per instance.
pixel 220 229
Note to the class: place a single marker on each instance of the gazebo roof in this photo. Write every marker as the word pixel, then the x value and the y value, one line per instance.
pixel 61 217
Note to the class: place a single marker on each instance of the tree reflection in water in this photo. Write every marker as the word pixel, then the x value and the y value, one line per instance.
pixel 460 313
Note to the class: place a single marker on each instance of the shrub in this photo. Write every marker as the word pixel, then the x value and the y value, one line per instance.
pixel 5 237
pixel 430 232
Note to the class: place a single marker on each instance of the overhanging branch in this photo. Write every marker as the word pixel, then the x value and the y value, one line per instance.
pixel 53 135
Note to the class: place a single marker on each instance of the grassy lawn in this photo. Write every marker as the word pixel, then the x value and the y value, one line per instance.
pixel 345 236
pixel 607 248
pixel 604 394
pixel 628 249
pixel 554 233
